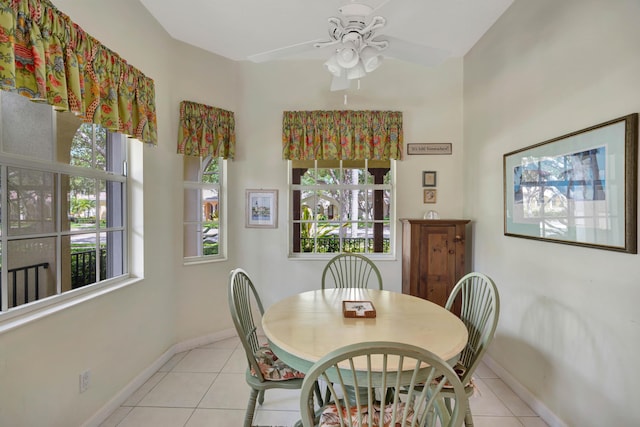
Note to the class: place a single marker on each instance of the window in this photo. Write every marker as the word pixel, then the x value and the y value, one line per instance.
pixel 63 209
pixel 202 208
pixel 341 206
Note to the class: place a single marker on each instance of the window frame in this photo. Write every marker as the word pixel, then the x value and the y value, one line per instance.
pixel 221 187
pixel 391 187
pixel 60 299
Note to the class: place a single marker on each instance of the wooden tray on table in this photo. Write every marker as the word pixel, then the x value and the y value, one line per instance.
pixel 358 309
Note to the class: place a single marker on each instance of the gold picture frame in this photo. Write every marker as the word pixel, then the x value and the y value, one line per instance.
pixel 430 195
pixel 577 189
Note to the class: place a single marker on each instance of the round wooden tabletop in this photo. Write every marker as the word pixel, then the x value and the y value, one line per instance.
pixel 304 327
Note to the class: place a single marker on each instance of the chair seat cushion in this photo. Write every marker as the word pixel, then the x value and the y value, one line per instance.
pixel 330 416
pixel 459 369
pixel 272 368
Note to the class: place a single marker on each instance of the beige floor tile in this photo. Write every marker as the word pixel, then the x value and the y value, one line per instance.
pixel 275 418
pixel 216 418
pixel 533 422
pixel 496 422
pixel 203 360
pixel 205 387
pixel 228 391
pixel 516 405
pixel 281 400
pixel 139 394
pixel 486 403
pixel 237 363
pixel 116 417
pixel 156 417
pixel 179 390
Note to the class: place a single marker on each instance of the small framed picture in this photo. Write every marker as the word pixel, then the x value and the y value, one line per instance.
pixel 430 196
pixel 262 209
pixel 429 179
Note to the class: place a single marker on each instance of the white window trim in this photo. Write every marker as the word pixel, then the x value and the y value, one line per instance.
pixel 221 256
pixel 38 310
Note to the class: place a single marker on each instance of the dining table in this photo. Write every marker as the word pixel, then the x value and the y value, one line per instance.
pixel 304 327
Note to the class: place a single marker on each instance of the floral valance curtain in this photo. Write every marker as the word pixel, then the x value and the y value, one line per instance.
pixel 342 135
pixel 206 130
pixel 48 58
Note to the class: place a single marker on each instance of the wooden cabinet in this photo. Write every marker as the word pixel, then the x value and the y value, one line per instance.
pixel 434 255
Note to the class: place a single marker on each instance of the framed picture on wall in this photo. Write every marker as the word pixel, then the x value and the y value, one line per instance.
pixel 578 189
pixel 430 196
pixel 429 179
pixel 262 209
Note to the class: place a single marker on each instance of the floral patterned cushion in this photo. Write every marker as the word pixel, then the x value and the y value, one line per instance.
pixel 330 416
pixel 460 370
pixel 272 368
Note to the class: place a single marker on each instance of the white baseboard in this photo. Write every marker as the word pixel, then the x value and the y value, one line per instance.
pixel 117 400
pixel 534 403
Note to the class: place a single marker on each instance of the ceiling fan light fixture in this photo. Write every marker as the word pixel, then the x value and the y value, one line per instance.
pixel 347 57
pixel 332 65
pixel 371 59
pixel 356 72
pixel 340 83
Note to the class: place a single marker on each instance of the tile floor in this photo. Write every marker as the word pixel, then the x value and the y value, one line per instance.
pixel 205 387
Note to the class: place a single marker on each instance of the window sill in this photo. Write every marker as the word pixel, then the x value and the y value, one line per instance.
pixel 306 256
pixel 203 260
pixel 40 309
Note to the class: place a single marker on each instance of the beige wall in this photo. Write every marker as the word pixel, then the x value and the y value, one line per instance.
pixel 569 318
pixel 120 334
pixel 569 324
pixel 431 102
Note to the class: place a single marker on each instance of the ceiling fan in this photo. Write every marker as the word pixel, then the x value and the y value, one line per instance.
pixel 358 49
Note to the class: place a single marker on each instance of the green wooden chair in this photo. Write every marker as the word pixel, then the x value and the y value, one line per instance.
pixel 402 366
pixel 349 270
pixel 263 373
pixel 479 303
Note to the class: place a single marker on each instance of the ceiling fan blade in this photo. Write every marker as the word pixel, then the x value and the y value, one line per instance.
pixel 413 52
pixel 379 6
pixel 284 52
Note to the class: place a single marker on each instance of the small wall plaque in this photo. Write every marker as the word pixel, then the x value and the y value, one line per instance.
pixel 444 148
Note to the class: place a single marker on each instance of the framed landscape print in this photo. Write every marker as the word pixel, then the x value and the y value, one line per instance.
pixel 262 209
pixel 577 189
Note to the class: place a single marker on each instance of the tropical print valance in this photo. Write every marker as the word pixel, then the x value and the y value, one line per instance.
pixel 206 130
pixel 342 135
pixel 48 58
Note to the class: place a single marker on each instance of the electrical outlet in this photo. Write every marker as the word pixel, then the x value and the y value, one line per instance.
pixel 85 379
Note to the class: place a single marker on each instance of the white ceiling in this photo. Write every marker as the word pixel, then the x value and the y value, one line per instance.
pixel 238 29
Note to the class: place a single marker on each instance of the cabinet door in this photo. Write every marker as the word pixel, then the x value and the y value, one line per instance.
pixel 437 262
